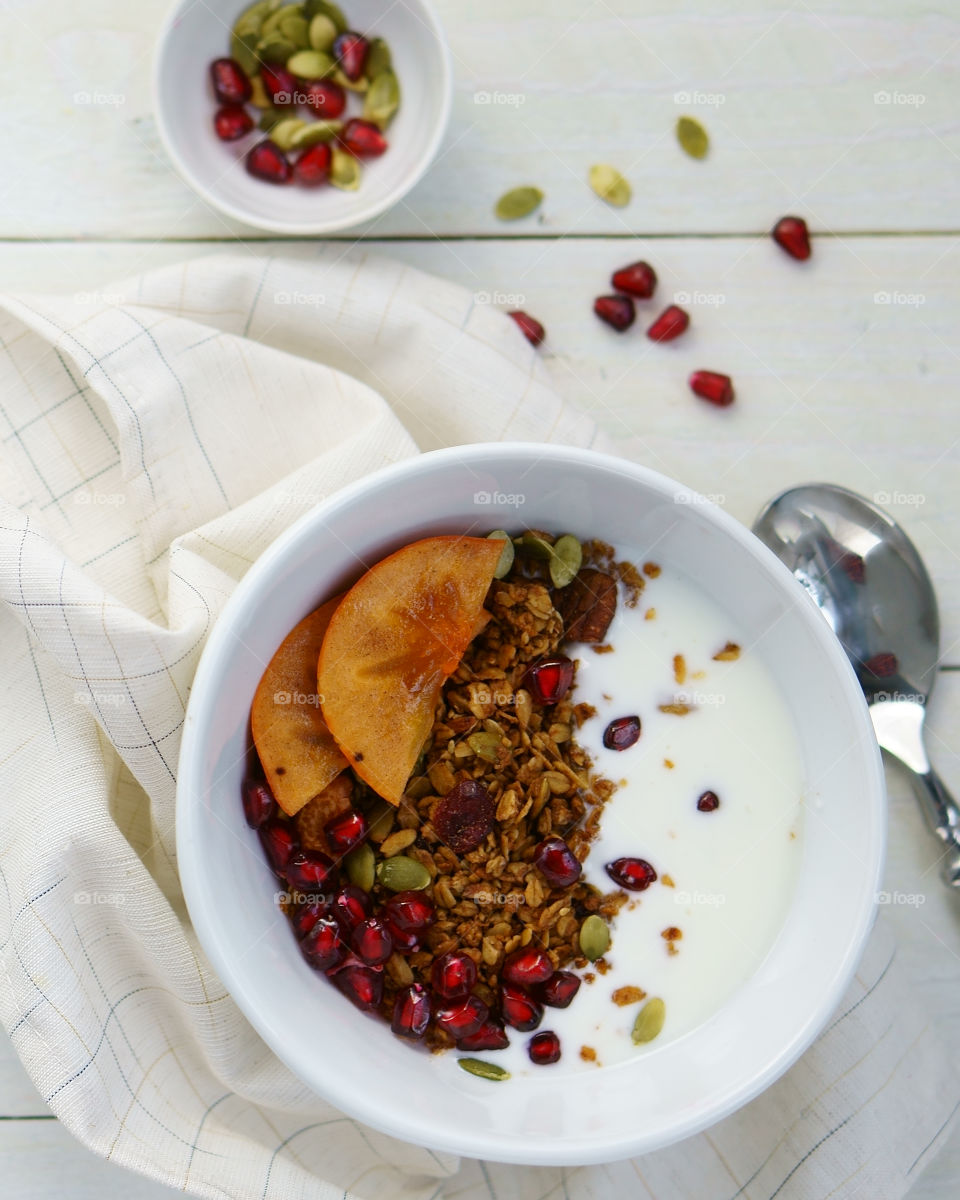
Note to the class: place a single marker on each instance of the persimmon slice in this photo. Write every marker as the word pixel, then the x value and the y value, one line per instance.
pixel 297 751
pixel 396 636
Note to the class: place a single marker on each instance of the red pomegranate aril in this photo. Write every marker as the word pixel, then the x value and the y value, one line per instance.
pixel 410 912
pixel 714 388
pixel 549 680
pixel 313 166
pixel 372 941
pixel 279 85
pixel 882 665
pixel 231 122
pixel 519 1008
pixel 411 1011
pixel 350 906
pixel 258 802
pixel 362 138
pixel 279 842
pixel 462 1018
pixel 464 816
pixel 308 914
pixel 638 279
pixel 345 831
pixel 267 161
pixel 617 311
pixel 622 733
pixel 490 1036
pixel 362 985
pixel 669 325
pixel 405 943
pixel 544 1049
pixel 560 989
pixel 558 864
pixel 309 871
pixel 633 874
pixel 530 327
pixel 453 975
pixel 527 967
pixel 791 234
pixel 230 83
pixel 350 50
pixel 326 98
pixel 324 947
pixel 708 802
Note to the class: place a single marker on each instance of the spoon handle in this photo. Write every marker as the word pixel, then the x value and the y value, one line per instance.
pixel 943 817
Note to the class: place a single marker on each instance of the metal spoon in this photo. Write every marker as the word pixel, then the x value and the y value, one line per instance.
pixel 868 580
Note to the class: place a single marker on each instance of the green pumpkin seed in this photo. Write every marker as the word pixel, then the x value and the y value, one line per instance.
pixel 296 30
pixel 351 85
pixel 321 33
pixel 272 116
pixel 360 866
pixel 243 49
pixel 610 185
pixel 277 16
pixel 649 1021
pixel 383 99
pixel 485 746
pixel 316 132
pixel 594 937
pixel 315 8
pixel 565 560
pixel 378 58
pixel 275 49
pixel 310 64
pixel 345 171
pixel 250 22
pixel 507 554
pixel 692 137
pixel 283 132
pixel 402 874
pixel 536 546
pixel 258 94
pixel 485 1070
pixel 518 202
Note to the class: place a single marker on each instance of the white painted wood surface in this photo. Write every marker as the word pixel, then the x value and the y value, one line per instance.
pixel 845 110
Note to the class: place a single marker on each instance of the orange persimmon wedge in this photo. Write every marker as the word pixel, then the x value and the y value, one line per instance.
pixel 396 636
pixel 297 750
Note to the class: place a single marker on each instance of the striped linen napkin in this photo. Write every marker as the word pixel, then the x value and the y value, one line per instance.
pixel 156 438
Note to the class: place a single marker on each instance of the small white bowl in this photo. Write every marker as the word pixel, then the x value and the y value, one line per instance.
pixel 550 1116
pixel 198 31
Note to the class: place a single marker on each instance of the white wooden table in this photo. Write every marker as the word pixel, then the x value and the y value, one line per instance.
pixel 842 110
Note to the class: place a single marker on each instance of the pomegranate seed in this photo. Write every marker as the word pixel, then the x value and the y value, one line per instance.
pixel 279 842
pixel 882 665
pixel 490 1036
pixel 519 1009
pixel 362 985
pixel 326 98
pixel 669 325
pixel 350 906
pixel 634 874
pixel 349 828
pixel 712 387
pixel 463 1018
pixel 453 975
pixel 791 234
pixel 268 162
pixel 544 1049
pixel 362 138
pixel 708 802
pixel 527 967
pixel 549 680
pixel 406 943
pixel 309 871
pixel 557 862
pixel 617 311
pixel 530 327
pixel 350 50
pixel 231 122
pixel 313 166
pixel 308 914
pixel 230 84
pixel 258 802
pixel 324 947
pixel 411 1011
pixel 560 989
pixel 409 912
pixel 464 816
pixel 372 941
pixel 638 279
pixel 622 733
pixel 280 85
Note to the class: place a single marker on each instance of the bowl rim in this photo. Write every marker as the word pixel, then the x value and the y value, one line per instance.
pixel 474 1143
pixel 304 228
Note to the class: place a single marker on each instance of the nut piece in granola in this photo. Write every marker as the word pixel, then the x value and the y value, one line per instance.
pixel 587 605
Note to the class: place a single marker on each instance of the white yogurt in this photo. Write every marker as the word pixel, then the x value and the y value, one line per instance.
pixel 733 869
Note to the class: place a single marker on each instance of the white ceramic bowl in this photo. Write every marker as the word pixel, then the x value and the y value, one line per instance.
pixel 198 31
pixel 351 1058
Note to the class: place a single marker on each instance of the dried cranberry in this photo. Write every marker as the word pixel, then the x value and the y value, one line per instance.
pixel 279 842
pixel 622 733
pixel 231 122
pixel 634 874
pixel 313 165
pixel 267 161
pixel 882 665
pixel 638 279
pixel 617 311
pixel 669 325
pixel 280 85
pixel 708 802
pixel 411 1011
pixel 791 234
pixel 230 84
pixel 519 1008
pixel 464 816
pixel 326 98
pixel 324 947
pixel 362 139
pixel 557 862
pixel 490 1036
pixel 350 906
pixel 350 50
pixel 544 1048
pixel 409 912
pixel 560 989
pixel 361 984
pixel 258 803
pixel 463 1017
pixel 527 967
pixel 453 975
pixel 549 680
pixel 309 871
pixel 346 830
pixel 530 327
pixel 372 941
pixel 713 387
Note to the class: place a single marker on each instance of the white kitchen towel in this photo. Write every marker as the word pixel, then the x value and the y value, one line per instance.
pixel 155 438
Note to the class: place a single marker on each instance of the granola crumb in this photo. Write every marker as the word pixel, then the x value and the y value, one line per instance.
pixel 650 614
pixel 588 1054
pixel 699 675
pixel 671 934
pixel 672 948
pixel 602 966
pixel 676 709
pixel 651 570
pixel 589 977
pixel 729 653
pixel 603 648
pixel 679 668
pixel 669 763
pixel 628 995
pixel 667 880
